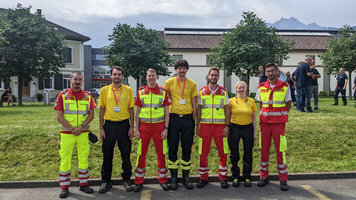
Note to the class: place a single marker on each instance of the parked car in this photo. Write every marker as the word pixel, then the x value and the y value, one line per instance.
pixel 95 92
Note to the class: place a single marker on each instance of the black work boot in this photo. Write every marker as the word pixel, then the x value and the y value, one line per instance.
pixel 186 180
pixel 174 174
pixel 284 186
pixel 263 182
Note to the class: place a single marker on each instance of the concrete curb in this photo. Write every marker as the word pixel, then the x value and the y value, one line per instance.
pixel 194 179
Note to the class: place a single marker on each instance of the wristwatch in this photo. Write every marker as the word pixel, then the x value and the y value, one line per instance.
pixel 228 125
pixel 166 128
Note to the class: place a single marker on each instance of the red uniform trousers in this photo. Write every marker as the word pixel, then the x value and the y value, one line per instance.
pixel 207 132
pixel 277 131
pixel 154 130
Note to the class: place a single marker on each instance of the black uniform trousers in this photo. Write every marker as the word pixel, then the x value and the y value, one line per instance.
pixel 116 132
pixel 185 126
pixel 236 133
pixel 343 95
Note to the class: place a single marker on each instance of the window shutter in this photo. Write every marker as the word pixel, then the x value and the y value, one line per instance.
pixel 40 83
pixel 58 81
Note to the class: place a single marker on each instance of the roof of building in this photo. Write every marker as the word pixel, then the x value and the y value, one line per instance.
pixel 70 35
pixel 185 38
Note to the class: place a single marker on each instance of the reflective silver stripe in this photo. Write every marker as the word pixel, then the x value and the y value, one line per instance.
pixel 163 175
pixel 160 102
pixel 66 94
pixel 66 107
pixel 211 106
pixel 142 100
pixel 186 167
pixel 264 168
pixel 186 162
pixel 279 102
pixel 85 128
pixel 82 170
pixel 87 108
pixel 63 178
pixel 210 120
pixel 153 120
pixel 74 112
pixel 282 166
pixel 223 168
pixel 162 169
pixel 86 95
pixel 140 169
pixel 64 173
pixel 275 102
pixel 161 90
pixel 264 163
pixel 83 175
pixel 139 175
pixel 222 102
pixel 83 181
pixel 203 168
pixel 203 102
pixel 200 172
pixel 223 173
pixel 64 183
pixel 274 113
pixel 267 102
pixel 283 171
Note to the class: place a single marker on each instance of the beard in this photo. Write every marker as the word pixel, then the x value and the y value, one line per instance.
pixel 77 86
pixel 213 82
pixel 181 74
pixel 116 81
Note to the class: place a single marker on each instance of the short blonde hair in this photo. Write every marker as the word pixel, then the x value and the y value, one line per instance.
pixel 151 70
pixel 237 84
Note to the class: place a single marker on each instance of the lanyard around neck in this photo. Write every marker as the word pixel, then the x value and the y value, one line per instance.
pixel 118 98
pixel 182 93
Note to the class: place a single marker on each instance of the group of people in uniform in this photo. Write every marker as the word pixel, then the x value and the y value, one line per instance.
pixel 171 115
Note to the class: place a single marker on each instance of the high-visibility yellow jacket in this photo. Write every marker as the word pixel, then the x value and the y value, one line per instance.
pixel 152 110
pixel 75 112
pixel 212 106
pixel 274 108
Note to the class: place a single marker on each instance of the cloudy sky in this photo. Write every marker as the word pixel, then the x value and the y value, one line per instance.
pixel 96 18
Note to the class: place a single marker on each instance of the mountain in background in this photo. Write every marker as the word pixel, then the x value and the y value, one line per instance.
pixel 293 23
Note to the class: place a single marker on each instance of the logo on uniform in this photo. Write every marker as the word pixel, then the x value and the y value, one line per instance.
pixel 187 88
pixel 123 98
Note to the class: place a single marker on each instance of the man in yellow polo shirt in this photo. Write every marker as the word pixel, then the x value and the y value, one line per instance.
pixel 116 103
pixel 183 93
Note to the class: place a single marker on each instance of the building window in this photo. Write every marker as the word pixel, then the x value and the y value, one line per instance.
pixel 177 57
pixel 66 82
pixel 100 84
pixel 98 57
pixel 101 69
pixel 207 60
pixel 279 61
pixel 312 56
pixel 69 55
pixel 48 83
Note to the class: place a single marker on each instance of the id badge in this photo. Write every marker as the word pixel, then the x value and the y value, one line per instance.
pixel 116 109
pixel 181 101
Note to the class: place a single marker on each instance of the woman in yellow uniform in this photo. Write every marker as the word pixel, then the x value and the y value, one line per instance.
pixel 243 125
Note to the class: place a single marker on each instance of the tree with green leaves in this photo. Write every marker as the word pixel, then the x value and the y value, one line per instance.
pixel 30 48
pixel 247 46
pixel 136 49
pixel 341 53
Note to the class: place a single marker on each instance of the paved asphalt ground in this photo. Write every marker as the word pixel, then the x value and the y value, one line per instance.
pixel 303 186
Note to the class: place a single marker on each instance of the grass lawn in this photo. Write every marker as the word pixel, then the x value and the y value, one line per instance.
pixel 30 135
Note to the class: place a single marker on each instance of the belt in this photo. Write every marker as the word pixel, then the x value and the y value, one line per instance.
pixel 182 116
pixel 241 126
pixel 116 122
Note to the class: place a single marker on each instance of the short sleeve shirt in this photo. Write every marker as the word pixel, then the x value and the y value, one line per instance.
pixel 315 81
pixel 241 110
pixel 167 100
pixel 189 91
pixel 302 78
pixel 341 80
pixel 107 100
pixel 59 103
pixel 287 98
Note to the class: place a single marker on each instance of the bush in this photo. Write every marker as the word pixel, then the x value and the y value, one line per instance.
pixel 231 95
pixel 252 95
pixel 331 93
pixel 323 93
pixel 14 98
